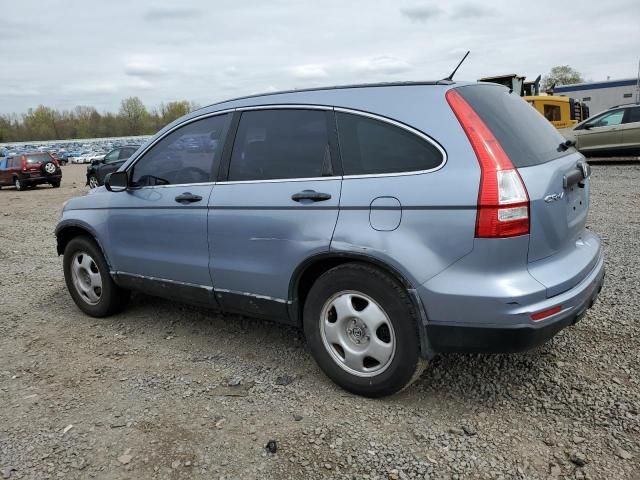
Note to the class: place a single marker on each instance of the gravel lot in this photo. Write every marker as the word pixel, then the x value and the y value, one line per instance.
pixel 166 390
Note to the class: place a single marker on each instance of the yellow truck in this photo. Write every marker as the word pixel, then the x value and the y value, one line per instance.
pixel 561 111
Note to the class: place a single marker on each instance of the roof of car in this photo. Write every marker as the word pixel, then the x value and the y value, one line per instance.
pixel 336 87
pixel 625 105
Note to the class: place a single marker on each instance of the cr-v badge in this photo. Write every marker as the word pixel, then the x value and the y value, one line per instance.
pixel 553 197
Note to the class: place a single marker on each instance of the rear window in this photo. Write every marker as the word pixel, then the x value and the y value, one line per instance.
pixel 525 135
pixel 38 158
pixel 371 146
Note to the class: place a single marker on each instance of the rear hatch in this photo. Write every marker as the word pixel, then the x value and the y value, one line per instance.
pixel 561 252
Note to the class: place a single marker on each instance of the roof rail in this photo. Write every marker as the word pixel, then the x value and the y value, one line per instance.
pixel 335 87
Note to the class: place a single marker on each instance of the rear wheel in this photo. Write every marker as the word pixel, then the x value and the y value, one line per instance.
pixel 55 184
pixel 88 280
pixel 361 328
pixel 19 184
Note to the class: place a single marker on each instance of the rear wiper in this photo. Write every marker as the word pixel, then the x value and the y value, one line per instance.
pixel 566 145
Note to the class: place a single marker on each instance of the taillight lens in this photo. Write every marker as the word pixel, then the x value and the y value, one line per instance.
pixel 24 164
pixel 503 202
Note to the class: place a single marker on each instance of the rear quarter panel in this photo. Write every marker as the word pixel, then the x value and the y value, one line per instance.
pixel 437 209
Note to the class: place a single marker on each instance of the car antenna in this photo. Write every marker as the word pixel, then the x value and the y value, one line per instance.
pixel 450 77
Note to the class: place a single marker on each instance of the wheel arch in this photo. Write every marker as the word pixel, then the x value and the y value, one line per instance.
pixel 310 270
pixel 70 230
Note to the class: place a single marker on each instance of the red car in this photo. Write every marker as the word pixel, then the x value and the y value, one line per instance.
pixel 31 169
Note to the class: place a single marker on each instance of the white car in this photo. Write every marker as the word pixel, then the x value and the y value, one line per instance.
pixel 82 158
pixel 96 156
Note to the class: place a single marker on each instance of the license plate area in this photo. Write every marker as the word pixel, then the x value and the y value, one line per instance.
pixel 576 203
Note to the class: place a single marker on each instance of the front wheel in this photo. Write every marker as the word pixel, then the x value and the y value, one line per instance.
pixel 93 182
pixel 86 274
pixel 361 328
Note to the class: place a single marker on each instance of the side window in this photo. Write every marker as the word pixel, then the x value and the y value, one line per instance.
pixel 610 119
pixel 369 146
pixel 112 156
pixel 552 113
pixel 634 115
pixel 126 153
pixel 281 144
pixel 187 155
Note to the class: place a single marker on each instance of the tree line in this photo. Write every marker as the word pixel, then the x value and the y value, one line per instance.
pixel 133 118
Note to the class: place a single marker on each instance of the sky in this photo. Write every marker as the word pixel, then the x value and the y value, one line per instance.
pixel 63 53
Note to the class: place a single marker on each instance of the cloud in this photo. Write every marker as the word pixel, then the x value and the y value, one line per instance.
pixel 98 88
pixel 143 67
pixel 469 10
pixel 384 64
pixel 308 72
pixel 231 71
pixel 421 13
pixel 170 13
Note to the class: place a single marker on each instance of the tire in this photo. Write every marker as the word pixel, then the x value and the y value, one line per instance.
pixel 19 184
pixel 48 168
pixel 93 181
pixel 55 184
pixel 89 282
pixel 377 323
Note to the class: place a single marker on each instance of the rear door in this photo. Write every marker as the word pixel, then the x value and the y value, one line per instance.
pixel 276 206
pixel 557 182
pixel 631 129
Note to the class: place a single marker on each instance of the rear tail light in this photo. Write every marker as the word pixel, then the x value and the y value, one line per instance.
pixel 503 202
pixel 24 164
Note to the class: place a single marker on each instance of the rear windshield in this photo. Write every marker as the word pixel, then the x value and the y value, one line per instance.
pixel 525 135
pixel 38 158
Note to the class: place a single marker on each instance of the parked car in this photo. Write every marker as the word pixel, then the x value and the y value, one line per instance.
pixel 616 130
pixel 80 157
pixel 390 222
pixel 31 169
pixel 109 163
pixel 95 156
pixel 60 159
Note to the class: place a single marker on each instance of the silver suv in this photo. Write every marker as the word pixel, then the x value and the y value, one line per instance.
pixel 390 222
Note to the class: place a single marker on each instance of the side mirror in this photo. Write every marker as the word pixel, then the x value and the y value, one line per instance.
pixel 588 126
pixel 116 181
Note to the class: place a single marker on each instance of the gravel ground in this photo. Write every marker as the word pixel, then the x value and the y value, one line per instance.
pixel 165 390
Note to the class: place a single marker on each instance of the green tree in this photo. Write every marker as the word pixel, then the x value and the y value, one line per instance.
pixel 135 114
pixel 41 123
pixel 561 75
pixel 173 110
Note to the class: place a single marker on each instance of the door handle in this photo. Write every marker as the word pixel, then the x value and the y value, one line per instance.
pixel 187 197
pixel 310 195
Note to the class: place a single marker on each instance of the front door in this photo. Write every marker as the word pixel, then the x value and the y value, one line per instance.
pixel 158 228
pixel 602 132
pixel 277 206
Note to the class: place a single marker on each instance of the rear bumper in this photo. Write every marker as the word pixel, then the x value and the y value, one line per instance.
pixel 505 325
pixel 515 338
pixel 39 179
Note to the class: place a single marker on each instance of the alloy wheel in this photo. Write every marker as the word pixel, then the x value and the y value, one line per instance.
pixel 86 277
pixel 357 333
